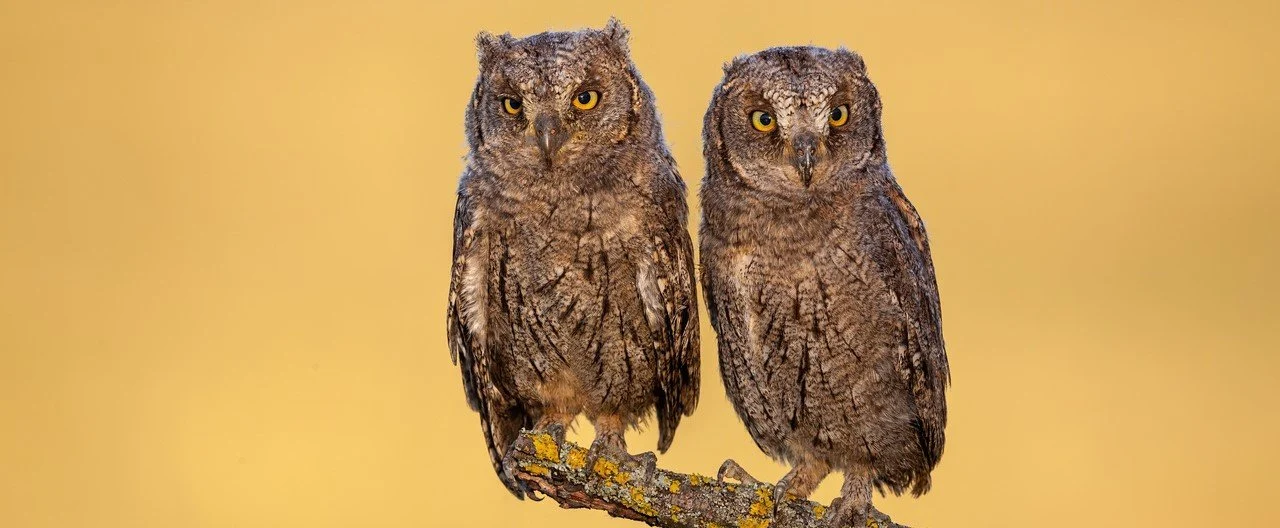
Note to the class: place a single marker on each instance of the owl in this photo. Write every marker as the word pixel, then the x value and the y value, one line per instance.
pixel 818 279
pixel 573 288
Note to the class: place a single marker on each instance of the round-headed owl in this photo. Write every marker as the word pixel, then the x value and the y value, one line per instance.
pixel 818 279
pixel 573 288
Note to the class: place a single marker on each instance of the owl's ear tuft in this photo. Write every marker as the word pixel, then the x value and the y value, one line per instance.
pixel 618 34
pixel 733 65
pixel 854 57
pixel 489 45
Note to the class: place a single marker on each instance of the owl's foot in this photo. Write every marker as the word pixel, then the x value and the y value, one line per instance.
pixel 853 506
pixel 649 462
pixel 731 469
pixel 554 423
pixel 800 482
pixel 556 430
pixel 610 443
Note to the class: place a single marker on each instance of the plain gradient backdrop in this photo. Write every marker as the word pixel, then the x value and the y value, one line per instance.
pixel 225 231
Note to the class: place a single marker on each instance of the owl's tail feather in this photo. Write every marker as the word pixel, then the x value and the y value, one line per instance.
pixel 501 427
pixel 667 423
pixel 915 474
pixel 671 408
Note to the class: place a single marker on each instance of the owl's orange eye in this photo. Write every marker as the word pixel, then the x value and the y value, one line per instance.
pixel 512 105
pixel 586 100
pixel 839 116
pixel 763 121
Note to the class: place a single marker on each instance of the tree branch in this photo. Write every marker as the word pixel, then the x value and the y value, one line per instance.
pixel 632 487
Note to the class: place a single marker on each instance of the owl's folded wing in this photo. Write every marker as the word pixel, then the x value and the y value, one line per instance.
pixel 923 365
pixel 466 321
pixel 668 288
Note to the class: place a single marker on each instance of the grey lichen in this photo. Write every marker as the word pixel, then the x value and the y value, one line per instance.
pixel 632 487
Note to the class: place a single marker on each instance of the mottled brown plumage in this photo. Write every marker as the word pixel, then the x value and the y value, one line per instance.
pixel 573 284
pixel 818 279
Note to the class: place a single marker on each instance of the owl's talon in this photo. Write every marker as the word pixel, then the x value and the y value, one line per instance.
pixel 508 478
pixel 533 494
pixel 731 469
pixel 780 491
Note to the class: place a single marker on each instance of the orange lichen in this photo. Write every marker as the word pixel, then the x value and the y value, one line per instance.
pixel 640 503
pixel 675 486
pixel 752 522
pixel 546 448
pixel 819 511
pixel 606 468
pixel 577 458
pixel 764 503
pixel 537 470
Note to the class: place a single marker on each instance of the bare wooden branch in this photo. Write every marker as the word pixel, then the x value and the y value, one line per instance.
pixel 632 487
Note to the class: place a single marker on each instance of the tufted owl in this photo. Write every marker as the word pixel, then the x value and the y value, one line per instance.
pixel 573 288
pixel 819 281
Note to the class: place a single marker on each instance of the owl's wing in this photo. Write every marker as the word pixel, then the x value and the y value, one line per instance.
pixel 468 348
pixel 669 291
pixel 923 365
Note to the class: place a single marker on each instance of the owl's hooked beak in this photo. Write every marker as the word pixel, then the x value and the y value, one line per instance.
pixel 550 133
pixel 806 148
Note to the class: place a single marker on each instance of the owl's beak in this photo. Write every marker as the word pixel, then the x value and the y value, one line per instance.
pixel 806 147
pixel 550 135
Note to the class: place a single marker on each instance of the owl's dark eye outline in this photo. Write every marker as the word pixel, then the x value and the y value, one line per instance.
pixel 586 100
pixel 763 121
pixel 838 116
pixel 512 105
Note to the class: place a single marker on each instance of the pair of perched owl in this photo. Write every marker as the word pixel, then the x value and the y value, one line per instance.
pixel 573 287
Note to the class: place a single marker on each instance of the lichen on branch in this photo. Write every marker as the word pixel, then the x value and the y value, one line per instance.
pixel 632 487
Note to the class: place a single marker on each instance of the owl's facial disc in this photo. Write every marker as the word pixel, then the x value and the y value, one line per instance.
pixel 793 120
pixel 555 100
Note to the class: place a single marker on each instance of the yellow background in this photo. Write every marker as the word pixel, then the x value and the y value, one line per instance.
pixel 225 233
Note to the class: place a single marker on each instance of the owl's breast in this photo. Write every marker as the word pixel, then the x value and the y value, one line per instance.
pixel 567 291
pixel 811 338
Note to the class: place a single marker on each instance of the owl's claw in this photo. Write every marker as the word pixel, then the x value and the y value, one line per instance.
pixel 731 469
pixel 780 491
pixel 533 494
pixel 524 489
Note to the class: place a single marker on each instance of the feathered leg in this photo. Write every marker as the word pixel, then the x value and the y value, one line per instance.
pixel 854 504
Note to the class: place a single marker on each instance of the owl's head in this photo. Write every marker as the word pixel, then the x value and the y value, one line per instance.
pixel 790 120
pixel 555 98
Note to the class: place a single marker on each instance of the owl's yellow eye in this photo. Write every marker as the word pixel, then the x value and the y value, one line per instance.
pixel 512 105
pixel 763 121
pixel 839 116
pixel 586 100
